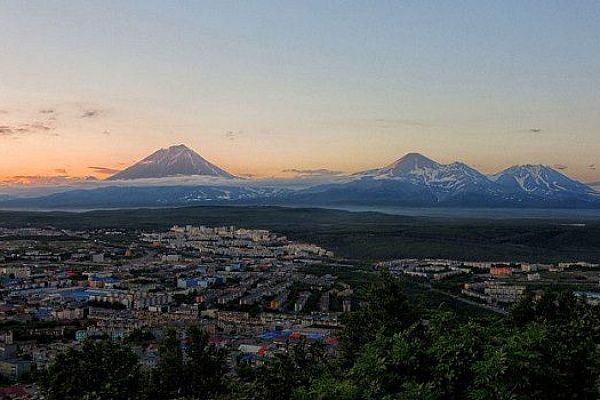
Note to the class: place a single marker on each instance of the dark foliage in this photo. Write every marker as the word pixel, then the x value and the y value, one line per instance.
pixel 361 235
pixel 547 348
pixel 99 370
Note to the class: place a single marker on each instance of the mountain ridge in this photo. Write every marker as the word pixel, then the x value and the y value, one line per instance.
pixel 417 180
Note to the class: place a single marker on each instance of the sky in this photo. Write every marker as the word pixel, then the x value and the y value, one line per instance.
pixel 262 87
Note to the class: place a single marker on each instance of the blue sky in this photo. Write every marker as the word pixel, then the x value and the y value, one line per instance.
pixel 263 86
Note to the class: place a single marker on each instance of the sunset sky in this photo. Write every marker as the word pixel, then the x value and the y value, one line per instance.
pixel 258 87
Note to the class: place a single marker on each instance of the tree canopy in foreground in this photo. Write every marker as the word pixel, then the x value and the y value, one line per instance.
pixel 547 348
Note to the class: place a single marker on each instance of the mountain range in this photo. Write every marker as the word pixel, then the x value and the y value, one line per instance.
pixel 414 181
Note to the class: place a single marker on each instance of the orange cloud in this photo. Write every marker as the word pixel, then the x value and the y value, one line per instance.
pixel 44 180
pixel 104 170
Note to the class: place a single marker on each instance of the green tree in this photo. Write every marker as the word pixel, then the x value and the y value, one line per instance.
pixel 287 372
pixel 167 378
pixel 329 388
pixel 453 346
pixel 386 311
pixel 205 366
pixel 99 370
pixel 139 337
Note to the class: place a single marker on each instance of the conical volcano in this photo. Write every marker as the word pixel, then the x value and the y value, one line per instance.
pixel 178 160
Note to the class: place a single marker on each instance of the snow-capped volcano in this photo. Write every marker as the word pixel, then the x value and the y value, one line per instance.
pixel 441 178
pixel 416 179
pixel 178 160
pixel 539 180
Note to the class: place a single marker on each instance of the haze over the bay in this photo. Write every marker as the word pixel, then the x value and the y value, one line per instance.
pixel 277 88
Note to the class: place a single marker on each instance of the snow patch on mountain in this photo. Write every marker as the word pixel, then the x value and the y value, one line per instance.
pixel 540 180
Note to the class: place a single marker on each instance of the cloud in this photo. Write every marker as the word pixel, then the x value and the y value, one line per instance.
pixel 104 170
pixel 535 130
pixel 38 126
pixel 91 113
pixel 232 135
pixel 61 171
pixel 43 180
pixel 24 129
pixel 6 130
pixel 312 172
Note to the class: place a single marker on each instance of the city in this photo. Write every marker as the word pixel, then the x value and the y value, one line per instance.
pixel 252 291
pixel 299 200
